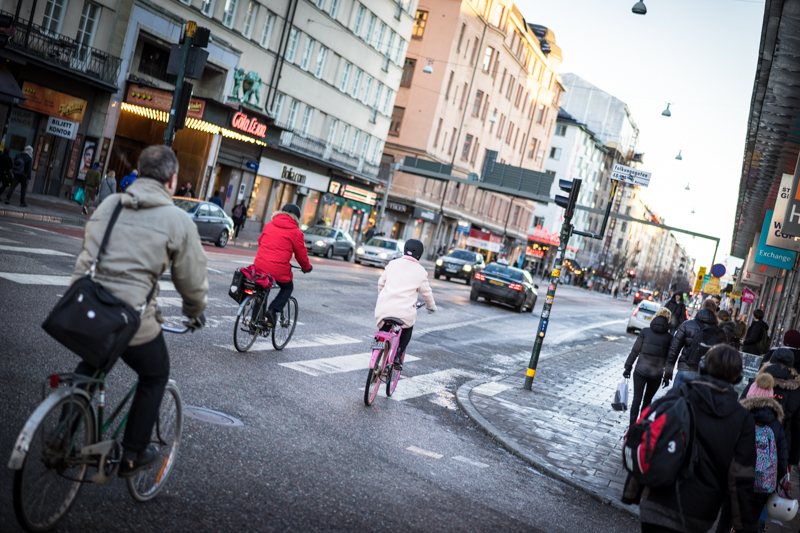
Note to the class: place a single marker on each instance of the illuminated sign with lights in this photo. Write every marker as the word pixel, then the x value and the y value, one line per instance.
pixel 242 122
pixel 353 193
pixel 159 100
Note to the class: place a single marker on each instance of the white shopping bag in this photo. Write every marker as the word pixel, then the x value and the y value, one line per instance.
pixel 620 402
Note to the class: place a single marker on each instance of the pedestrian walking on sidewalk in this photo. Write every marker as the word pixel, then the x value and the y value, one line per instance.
pixel 727 325
pixel 216 200
pixel 683 344
pixel 107 187
pixel 22 174
pixel 725 440
pixel 186 191
pixel 678 311
pixel 239 215
pixel 90 186
pixel 6 167
pixel 791 341
pixel 757 339
pixel 127 180
pixel 651 348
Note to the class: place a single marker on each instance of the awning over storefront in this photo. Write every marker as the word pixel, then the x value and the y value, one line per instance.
pixel 10 91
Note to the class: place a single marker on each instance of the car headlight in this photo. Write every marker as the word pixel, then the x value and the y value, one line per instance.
pixel 467 268
pixel 320 243
pixel 383 255
pixel 360 251
pixel 439 262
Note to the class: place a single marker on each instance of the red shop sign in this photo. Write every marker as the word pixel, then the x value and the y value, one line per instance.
pixel 242 122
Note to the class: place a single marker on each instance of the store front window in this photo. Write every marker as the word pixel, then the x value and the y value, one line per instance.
pixel 310 209
pixel 258 198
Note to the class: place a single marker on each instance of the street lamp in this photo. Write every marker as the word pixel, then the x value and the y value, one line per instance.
pixel 639 8
pixel 493 118
pixel 666 112
pixel 692 214
pixel 687 186
pixel 679 157
pixel 428 69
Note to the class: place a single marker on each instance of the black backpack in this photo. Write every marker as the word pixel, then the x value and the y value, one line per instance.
pixel 701 342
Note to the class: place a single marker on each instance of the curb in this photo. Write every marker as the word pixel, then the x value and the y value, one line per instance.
pixel 41 218
pixel 462 397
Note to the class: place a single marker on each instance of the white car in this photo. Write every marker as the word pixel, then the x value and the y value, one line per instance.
pixel 379 251
pixel 642 315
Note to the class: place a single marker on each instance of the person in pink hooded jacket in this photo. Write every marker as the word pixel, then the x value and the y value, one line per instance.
pixel 402 280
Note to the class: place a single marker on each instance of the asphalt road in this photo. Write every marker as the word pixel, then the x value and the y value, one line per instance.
pixel 309 455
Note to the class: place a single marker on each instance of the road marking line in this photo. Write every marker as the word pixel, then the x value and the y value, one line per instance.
pixel 492 388
pixel 573 332
pixel 455 325
pixel 62 281
pixel 9 241
pixel 412 387
pixel 41 251
pixel 336 365
pixel 424 452
pixel 215 270
pixel 470 461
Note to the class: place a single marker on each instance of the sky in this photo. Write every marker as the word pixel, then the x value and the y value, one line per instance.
pixel 700 56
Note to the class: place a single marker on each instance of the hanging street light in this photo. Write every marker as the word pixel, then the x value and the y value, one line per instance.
pixel 679 157
pixel 428 68
pixel 493 118
pixel 666 112
pixel 693 210
pixel 639 8
pixel 687 187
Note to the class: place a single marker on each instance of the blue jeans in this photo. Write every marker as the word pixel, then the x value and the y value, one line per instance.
pixel 684 376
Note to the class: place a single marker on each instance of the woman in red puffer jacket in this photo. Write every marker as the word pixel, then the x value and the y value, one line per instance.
pixel 279 241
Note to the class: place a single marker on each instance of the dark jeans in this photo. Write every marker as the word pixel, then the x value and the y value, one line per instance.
pixel 644 389
pixel 280 300
pixel 405 338
pixel 151 362
pixel 16 181
pixel 757 504
pixel 237 225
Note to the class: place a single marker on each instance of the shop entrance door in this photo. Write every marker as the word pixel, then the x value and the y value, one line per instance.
pixel 124 156
pixel 47 173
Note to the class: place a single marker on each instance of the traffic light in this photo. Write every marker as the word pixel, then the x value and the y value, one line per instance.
pixel 6 29
pixel 573 189
pixel 631 273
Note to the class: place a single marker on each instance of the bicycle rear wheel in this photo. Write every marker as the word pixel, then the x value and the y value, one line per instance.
pixel 374 376
pixel 282 331
pixel 52 474
pixel 245 331
pixel 167 436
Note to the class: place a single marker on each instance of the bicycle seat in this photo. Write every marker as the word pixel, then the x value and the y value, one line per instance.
pixel 393 321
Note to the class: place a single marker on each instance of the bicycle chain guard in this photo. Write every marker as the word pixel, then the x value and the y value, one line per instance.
pixel 110 453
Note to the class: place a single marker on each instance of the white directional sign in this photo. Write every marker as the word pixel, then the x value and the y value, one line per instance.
pixel 630 175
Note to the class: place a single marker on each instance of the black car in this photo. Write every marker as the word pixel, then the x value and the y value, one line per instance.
pixel 505 284
pixel 459 263
pixel 211 221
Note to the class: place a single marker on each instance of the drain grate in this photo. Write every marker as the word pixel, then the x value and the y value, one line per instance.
pixel 212 417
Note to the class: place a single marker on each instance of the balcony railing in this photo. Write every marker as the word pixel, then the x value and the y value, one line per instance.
pixel 325 151
pixel 65 52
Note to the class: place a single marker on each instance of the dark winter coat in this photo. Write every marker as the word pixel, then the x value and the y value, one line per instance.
pixel 678 311
pixel 6 164
pixel 768 412
pixel 651 349
pixel 754 333
pixel 795 351
pixel 683 340
pixel 787 393
pixel 27 165
pixel 728 327
pixel 726 458
pixel 279 240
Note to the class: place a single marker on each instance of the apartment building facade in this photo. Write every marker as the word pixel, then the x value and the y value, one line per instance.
pixel 478 81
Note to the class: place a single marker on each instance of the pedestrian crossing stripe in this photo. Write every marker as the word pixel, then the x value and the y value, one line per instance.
pixel 61 281
pixel 25 250
pixel 319 340
pixel 336 365
pixel 424 384
pixel 492 388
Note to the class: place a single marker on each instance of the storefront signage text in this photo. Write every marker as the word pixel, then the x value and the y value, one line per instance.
pixel 289 174
pixel 160 100
pixel 242 122
pixel 53 103
pixel 463 227
pixel 400 208
pixel 423 214
pixel 353 193
pixel 61 127
pixel 484 240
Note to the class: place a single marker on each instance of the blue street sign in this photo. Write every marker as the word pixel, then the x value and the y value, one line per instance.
pixel 252 165
pixel 718 270
pixel 770 255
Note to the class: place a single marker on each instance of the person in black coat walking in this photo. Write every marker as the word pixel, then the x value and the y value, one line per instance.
pixel 650 349
pixel 682 344
pixel 677 311
pixel 754 333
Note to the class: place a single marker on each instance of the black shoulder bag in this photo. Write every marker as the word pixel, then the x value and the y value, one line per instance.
pixel 91 321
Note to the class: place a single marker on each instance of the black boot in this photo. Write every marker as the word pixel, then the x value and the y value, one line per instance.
pixel 134 462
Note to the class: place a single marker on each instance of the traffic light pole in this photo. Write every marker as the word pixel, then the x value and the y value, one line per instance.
pixel 169 135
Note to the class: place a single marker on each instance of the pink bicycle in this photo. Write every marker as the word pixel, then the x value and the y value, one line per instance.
pixel 384 350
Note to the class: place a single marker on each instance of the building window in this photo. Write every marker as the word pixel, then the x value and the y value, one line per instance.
pixel 307 115
pixel 207 8
pixel 370 28
pixel 387 101
pixel 548 78
pixel 357 83
pixel 332 130
pixel 291 45
pixel 292 118
pixel 379 40
pixel 452 142
pixel 561 130
pixel 367 89
pixel 438 131
pixel 408 72
pixel 389 44
pixel 53 16
pixel 345 76
pixel 359 19
pixel 474 51
pixel 510 88
pixel 153 62
pixel 449 85
pixel 463 97
pixel 377 98
pixel 476 105
pixel 354 144
pixel 266 32
pixel 376 152
pixel 487 58
pixel 343 138
pixel 467 146
pixel 461 37
pixel 87 29
pixel 334 9
pixel 628 210
pixel 540 113
pixel 519 96
pixel 503 79
pixel 249 19
pixel 321 55
pixel 229 14
pixel 624 226
pixel 497 16
pixel 419 24
pixel 398 52
pixel 619 244
pixel 320 3
pixel 305 60
pixel 277 107
pixel 555 153
pixel 532 149
pixel 397 120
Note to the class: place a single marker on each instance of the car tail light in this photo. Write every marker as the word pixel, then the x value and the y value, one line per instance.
pixel 637 294
pixel 515 286
pixel 650 298
pixel 635 311
pixel 687 314
pixel 480 277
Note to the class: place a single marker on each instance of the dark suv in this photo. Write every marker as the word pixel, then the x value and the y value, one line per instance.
pixel 459 263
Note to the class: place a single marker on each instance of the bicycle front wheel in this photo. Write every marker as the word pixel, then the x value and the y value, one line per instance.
pixel 245 331
pixel 374 377
pixel 167 436
pixel 53 472
pixel 286 322
pixel 393 376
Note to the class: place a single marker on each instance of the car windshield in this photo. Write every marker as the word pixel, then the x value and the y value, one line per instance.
pixel 321 231
pixel 462 255
pixel 649 306
pixel 187 205
pixel 503 271
pixel 380 243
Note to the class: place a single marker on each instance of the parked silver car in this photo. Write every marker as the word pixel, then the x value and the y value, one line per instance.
pixel 322 240
pixel 379 251
pixel 213 224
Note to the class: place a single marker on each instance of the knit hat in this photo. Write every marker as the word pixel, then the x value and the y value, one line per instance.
pixel 783 356
pixel 792 338
pixel 762 386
